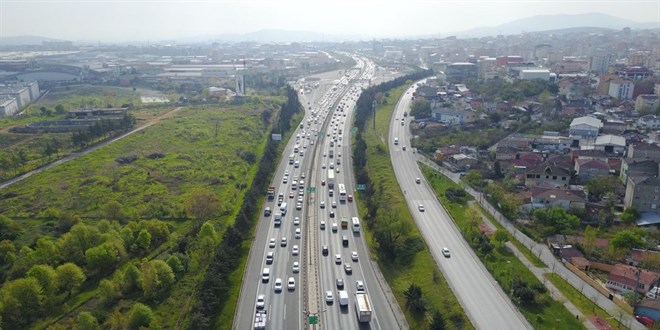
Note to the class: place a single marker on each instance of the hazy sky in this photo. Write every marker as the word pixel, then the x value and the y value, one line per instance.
pixel 152 20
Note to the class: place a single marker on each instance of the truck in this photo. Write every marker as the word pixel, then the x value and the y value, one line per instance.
pixel 344 222
pixel 362 307
pixel 292 157
pixel 343 298
pixel 277 219
pixel 331 179
pixel 260 318
pixel 271 193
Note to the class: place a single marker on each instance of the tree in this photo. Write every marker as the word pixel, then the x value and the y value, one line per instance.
pixel 420 108
pixel 59 109
pixel 500 236
pixel 69 277
pixel 157 277
pixel 80 238
pixel 86 321
pixel 601 185
pixel 590 235
pixel 9 230
pixel 143 240
pixel 474 178
pixel 415 299
pixel 108 292
pixel 131 279
pixel 390 230
pixel 651 261
pixel 202 204
pixel 7 253
pixel 437 321
pixel 46 276
pixel 556 219
pixel 22 301
pixel 625 240
pixel 139 316
pixel 175 263
pixel 630 215
pixel 208 230
pixel 106 257
pixel 114 211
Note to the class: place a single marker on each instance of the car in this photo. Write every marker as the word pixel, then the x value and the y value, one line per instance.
pixel 334 227
pixel 295 250
pixel 332 166
pixel 278 285
pixel 261 301
pixel 271 244
pixel 283 242
pixel 291 284
pixel 296 221
pixel 325 250
pixel 286 173
pixel 302 175
pixel 418 180
pixel 297 235
pixel 291 194
pixel 350 198
pixel 285 180
pixel 445 252
pixel 332 214
pixel 322 204
pixel 340 283
pixel 404 148
pixel 645 320
pixel 348 269
pixel 298 206
pixel 338 259
pixel 296 267
pixel 269 257
pixel 359 286
pixel 323 182
pixel 328 297
pixel 354 256
pixel 300 199
pixel 323 166
pixel 334 204
pixel 322 224
pixel 420 207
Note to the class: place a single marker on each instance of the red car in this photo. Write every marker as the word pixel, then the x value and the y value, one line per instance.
pixel 350 198
pixel 647 321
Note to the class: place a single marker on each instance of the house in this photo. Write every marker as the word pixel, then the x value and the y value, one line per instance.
pixel 548 174
pixel 644 150
pixel 504 152
pixel 454 117
pixel 637 167
pixel 649 307
pixel 625 278
pixel 614 127
pixel 621 89
pixel 461 162
pixel 528 160
pixel 445 152
pixel 638 256
pixel 588 169
pixel 646 102
pixel 643 192
pixel 611 144
pixel 550 197
pixel 649 121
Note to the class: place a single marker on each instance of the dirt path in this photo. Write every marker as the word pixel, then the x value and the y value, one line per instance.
pixel 88 150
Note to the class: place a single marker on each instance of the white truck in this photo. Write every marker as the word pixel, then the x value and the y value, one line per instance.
pixel 277 219
pixel 343 298
pixel 260 318
pixel 362 307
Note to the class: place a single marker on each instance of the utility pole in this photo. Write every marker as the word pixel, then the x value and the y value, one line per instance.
pixel 374 105
pixel 217 125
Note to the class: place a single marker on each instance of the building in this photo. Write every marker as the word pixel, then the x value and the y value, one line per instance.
pixel 624 278
pixel 461 162
pixel 649 307
pixel 552 197
pixel 643 192
pixel 548 175
pixel 584 128
pixel 454 117
pixel 532 74
pixel 638 167
pixel 8 107
pixel 644 150
pixel 646 102
pixel 601 62
pixel 649 121
pixel 621 89
pixel 634 73
pixel 33 89
pixel 461 71
pixel 501 61
pixel 611 144
pixel 588 169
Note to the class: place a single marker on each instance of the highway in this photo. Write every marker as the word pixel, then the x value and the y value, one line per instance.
pixel 486 305
pixel 286 309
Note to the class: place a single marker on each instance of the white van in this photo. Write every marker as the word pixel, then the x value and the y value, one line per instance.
pixel 283 208
pixel 265 275
pixel 343 298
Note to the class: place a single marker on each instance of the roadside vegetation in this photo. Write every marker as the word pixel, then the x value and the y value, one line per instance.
pixel 146 232
pixel 517 281
pixel 403 257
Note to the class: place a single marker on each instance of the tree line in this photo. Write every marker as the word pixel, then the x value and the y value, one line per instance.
pixel 101 129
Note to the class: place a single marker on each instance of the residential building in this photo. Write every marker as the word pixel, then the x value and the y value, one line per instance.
pixel 600 63
pixel 552 197
pixel 8 107
pixel 621 89
pixel 638 167
pixel 646 102
pixel 588 169
pixel 445 152
pixel 625 278
pixel 644 150
pixel 649 121
pixel 611 144
pixel 649 307
pixel 460 71
pixel 454 117
pixel 501 61
pixel 461 162
pixel 643 192
pixel 634 73
pixel 571 90
pixel 548 175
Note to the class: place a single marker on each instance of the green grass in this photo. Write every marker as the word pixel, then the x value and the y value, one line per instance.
pixel 422 270
pixel 583 303
pixel 504 266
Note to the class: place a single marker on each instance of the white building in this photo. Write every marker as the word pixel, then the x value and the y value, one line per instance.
pixel 585 127
pixel 531 74
pixel 621 89
pixel 8 107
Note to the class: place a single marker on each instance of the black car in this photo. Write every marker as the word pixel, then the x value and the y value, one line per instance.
pixel 325 250
pixel 332 214
pixel 340 284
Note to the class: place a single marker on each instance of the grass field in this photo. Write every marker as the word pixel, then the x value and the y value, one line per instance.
pixel 504 266
pixel 422 270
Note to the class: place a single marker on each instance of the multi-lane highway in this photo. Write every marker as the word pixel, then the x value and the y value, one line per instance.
pixel 326 127
pixel 485 303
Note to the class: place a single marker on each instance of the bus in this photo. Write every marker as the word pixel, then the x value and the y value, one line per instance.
pixel 342 192
pixel 356 224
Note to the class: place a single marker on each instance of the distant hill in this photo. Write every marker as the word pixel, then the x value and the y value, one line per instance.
pixel 556 22
pixel 24 40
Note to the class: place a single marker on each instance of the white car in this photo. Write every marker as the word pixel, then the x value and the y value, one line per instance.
pixel 338 259
pixel 291 284
pixel 354 256
pixel 328 297
pixel 296 267
pixel 278 285
pixel 445 252
pixel 322 225
pixel 261 301
pixel 283 242
pixel 322 166
pixel 334 204
pixel 418 180
pixel 296 221
pixel 271 244
pixel 322 204
pixel 297 233
pixel 420 207
pixel 295 250
pixel 359 286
